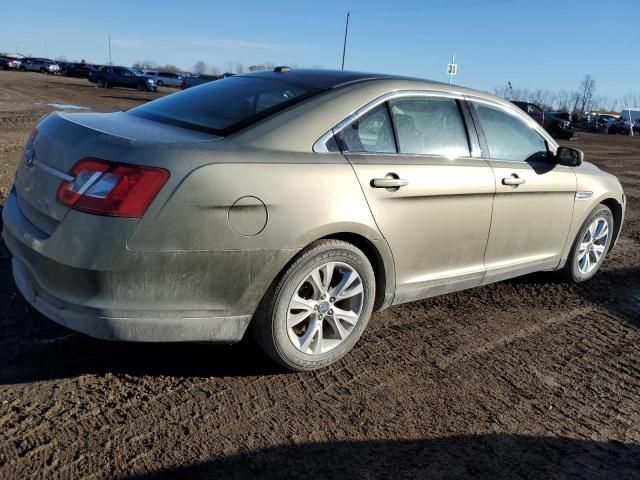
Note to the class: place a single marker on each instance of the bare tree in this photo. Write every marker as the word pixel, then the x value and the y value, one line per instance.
pixel 239 68
pixel 562 101
pixel 200 68
pixel 587 89
pixel 215 70
pixel 502 92
pixel 575 99
pixel 61 58
pixel 228 66
pixel 145 65
pixel 169 68
pixel 630 100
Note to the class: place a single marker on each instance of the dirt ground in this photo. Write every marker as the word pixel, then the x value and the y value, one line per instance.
pixel 529 378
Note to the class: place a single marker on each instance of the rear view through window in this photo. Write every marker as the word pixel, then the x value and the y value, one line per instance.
pixel 430 126
pixel 224 106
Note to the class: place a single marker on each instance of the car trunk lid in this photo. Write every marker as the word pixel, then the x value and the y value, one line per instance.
pixel 61 140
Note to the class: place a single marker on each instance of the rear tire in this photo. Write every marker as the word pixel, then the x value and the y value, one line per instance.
pixel 590 245
pixel 333 313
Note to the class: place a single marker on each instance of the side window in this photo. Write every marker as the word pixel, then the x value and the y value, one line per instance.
pixel 508 137
pixel 430 126
pixel 534 109
pixel 370 133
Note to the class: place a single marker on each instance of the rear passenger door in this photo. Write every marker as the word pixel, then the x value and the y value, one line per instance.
pixel 430 198
pixel 534 198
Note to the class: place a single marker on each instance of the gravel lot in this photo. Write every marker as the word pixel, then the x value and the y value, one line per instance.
pixel 525 378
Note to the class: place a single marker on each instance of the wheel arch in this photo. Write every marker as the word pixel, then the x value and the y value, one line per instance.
pixel 381 262
pixel 616 210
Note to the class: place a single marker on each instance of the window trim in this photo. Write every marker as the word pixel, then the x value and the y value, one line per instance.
pixel 514 111
pixel 320 146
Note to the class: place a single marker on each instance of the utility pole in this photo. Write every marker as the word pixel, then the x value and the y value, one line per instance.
pixel 346 32
pixel 110 62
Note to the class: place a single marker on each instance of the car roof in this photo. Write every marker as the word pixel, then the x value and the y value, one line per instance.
pixel 324 79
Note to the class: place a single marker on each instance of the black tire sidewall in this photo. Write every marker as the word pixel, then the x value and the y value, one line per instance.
pixel 102 83
pixel 280 346
pixel 601 211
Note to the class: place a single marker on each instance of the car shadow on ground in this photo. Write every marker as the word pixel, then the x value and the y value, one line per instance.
pixel 77 85
pixel 491 456
pixel 34 348
pixel 616 290
pixel 147 98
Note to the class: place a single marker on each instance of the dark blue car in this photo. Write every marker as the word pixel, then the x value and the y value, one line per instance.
pixel 108 77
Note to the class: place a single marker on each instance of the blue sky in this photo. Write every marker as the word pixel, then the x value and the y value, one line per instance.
pixel 534 44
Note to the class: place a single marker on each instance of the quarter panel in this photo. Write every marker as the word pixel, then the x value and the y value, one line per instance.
pixel 303 201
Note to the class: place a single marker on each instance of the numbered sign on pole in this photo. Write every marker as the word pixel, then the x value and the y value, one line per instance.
pixel 452 68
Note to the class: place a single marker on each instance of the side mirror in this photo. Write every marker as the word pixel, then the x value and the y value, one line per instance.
pixel 570 157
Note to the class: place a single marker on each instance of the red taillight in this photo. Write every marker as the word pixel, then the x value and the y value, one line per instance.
pixel 113 189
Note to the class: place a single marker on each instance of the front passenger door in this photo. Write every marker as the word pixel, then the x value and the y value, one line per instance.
pixel 534 198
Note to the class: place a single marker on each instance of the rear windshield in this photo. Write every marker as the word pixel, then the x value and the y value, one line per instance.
pixel 224 106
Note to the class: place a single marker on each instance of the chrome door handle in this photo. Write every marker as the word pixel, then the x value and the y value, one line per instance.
pixel 389 182
pixel 513 180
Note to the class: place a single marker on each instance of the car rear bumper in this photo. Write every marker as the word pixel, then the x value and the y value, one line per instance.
pixel 135 296
pixel 136 326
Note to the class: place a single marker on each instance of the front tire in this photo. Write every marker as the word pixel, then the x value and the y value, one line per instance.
pixel 590 245
pixel 142 86
pixel 317 310
pixel 102 83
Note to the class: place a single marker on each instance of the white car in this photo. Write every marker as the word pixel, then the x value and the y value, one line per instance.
pixel 42 65
pixel 164 79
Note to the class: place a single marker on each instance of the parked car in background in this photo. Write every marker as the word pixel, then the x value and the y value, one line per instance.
pixel 78 70
pixel 558 124
pixel 165 79
pixel 636 126
pixel 291 204
pixel 193 80
pixel 620 126
pixel 42 65
pixel 9 63
pixel 109 77
pixel 600 123
pixel 533 110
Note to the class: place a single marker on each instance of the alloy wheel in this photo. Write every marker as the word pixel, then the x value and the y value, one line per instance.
pixel 325 308
pixel 592 246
